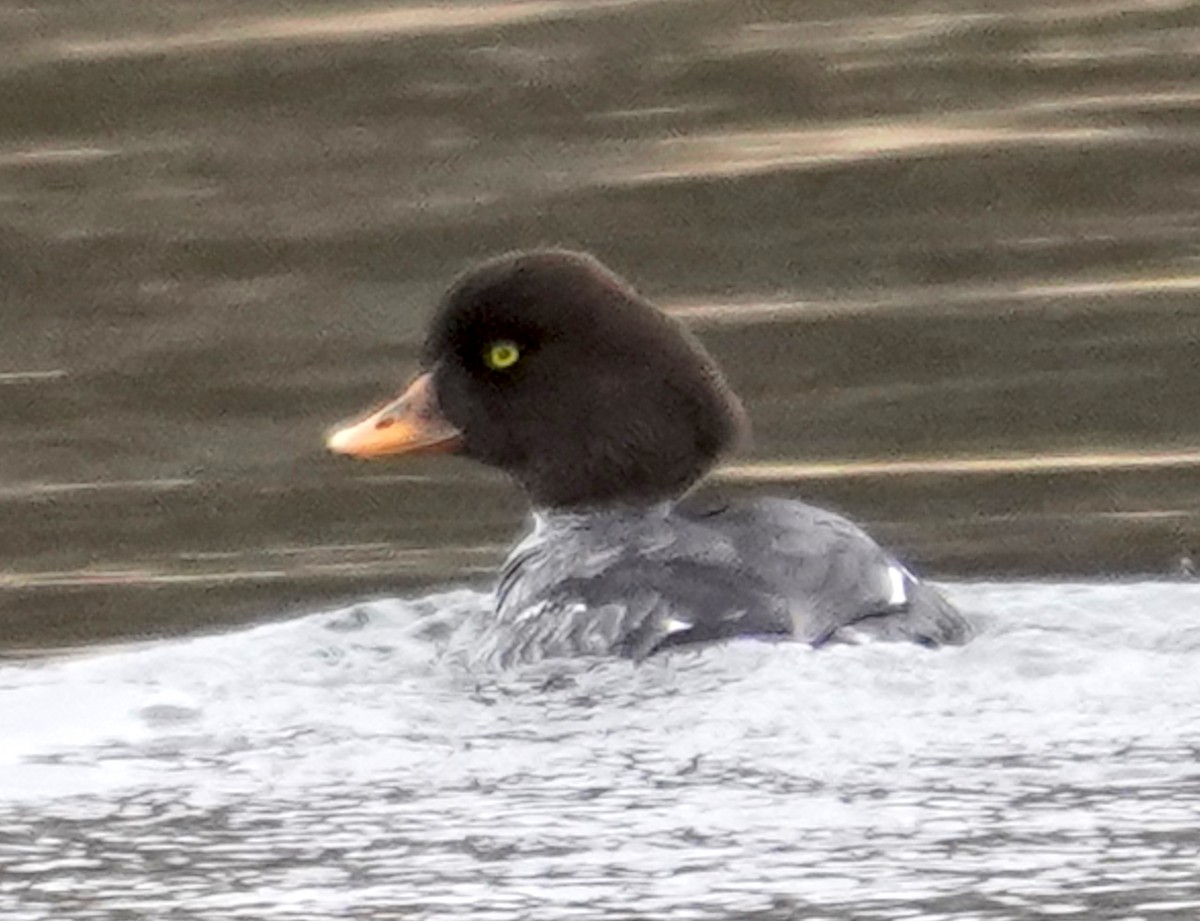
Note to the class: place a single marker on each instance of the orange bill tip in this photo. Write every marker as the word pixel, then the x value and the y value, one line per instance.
pixel 410 424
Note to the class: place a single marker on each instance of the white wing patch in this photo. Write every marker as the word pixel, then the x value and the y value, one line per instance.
pixel 676 625
pixel 897 575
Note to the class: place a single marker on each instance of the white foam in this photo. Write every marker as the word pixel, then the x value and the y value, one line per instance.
pixel 1040 766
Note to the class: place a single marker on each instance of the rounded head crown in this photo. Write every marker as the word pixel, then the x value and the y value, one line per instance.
pixel 555 370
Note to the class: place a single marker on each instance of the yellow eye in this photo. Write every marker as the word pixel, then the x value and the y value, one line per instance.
pixel 501 355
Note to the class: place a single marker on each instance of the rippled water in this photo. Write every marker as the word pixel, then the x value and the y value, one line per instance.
pixel 340 765
pixel 947 252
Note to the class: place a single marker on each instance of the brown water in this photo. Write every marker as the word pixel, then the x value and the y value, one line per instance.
pixel 915 234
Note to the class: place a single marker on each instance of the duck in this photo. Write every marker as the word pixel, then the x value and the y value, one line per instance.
pixel 607 413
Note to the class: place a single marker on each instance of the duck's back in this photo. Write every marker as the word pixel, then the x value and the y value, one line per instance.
pixel 840 585
pixel 635 582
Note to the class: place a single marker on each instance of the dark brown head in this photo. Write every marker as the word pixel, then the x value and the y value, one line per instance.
pixel 551 368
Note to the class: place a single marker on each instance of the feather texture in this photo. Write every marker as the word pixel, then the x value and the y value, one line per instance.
pixel 634 581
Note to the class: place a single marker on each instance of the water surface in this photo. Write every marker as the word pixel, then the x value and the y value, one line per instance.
pixel 916 234
pixel 946 251
pixel 340 765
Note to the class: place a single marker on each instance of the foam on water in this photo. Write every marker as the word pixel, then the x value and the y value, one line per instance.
pixel 340 765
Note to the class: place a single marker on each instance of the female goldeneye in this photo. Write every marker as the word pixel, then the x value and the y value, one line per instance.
pixel 606 411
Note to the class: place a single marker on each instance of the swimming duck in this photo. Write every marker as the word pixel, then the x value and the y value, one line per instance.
pixel 606 411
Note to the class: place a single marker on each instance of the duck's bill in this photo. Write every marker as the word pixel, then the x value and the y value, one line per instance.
pixel 409 425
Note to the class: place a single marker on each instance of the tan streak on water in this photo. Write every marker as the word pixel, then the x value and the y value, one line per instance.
pixel 772 471
pixel 328 28
pixel 1088 294
pixel 352 561
pixel 767 471
pixel 744 153
pixel 40 490
pixel 30 377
